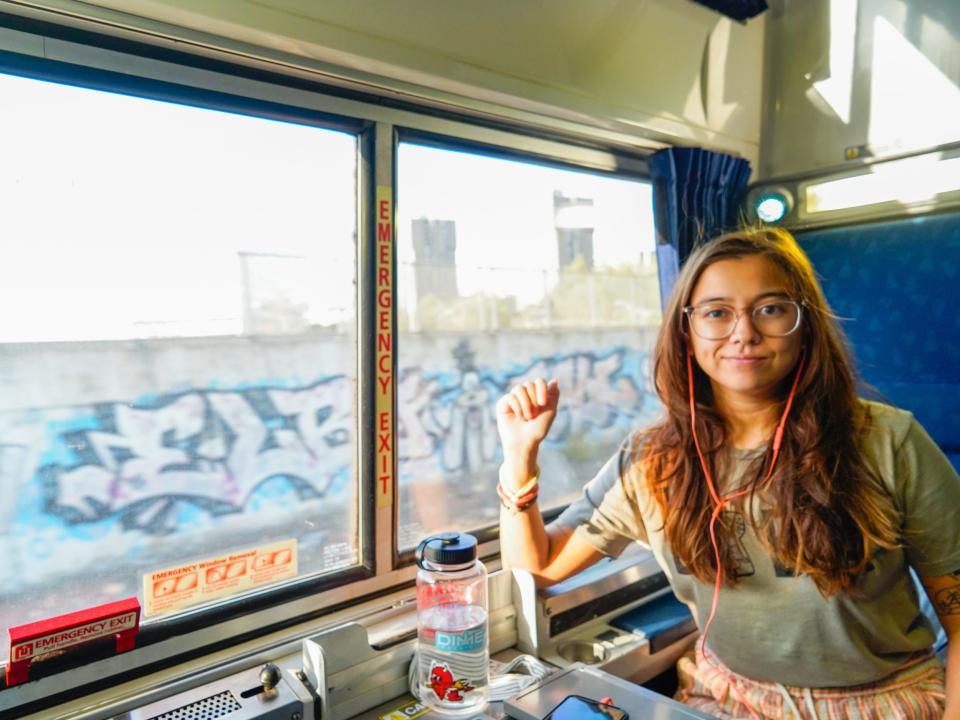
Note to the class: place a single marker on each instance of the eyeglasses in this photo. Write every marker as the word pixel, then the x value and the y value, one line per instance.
pixel 771 318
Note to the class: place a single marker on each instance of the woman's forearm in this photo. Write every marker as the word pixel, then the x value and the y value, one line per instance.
pixel 524 542
pixel 953 678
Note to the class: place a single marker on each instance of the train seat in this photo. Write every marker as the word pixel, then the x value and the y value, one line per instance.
pixel 893 284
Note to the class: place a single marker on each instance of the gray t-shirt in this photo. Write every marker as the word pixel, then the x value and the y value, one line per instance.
pixel 776 627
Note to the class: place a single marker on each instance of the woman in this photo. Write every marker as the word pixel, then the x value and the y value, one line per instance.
pixel 813 503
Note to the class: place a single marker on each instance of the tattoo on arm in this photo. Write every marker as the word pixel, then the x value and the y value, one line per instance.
pixel 947 600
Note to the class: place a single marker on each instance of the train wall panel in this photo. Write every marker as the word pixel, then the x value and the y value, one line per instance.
pixel 658 71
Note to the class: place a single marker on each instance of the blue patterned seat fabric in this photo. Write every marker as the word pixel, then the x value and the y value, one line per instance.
pixel 895 287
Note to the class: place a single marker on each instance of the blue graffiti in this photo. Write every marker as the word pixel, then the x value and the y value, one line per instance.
pixel 450 415
pixel 146 464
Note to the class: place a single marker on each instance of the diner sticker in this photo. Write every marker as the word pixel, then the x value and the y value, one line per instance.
pixel 175 588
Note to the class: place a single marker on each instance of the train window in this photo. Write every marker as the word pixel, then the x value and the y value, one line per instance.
pixel 922 179
pixel 508 270
pixel 178 350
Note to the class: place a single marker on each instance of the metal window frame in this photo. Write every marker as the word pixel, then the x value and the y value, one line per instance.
pixel 175 639
pixel 75 50
pixel 800 218
pixel 481 143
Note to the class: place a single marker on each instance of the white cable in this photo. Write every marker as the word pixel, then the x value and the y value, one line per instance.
pixel 506 683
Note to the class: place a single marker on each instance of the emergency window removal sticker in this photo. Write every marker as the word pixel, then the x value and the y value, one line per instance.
pixel 198 582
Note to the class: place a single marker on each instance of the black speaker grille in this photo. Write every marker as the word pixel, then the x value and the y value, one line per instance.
pixel 215 706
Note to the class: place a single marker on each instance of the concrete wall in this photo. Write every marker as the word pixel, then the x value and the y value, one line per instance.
pixel 881 75
pixel 122 457
pixel 668 70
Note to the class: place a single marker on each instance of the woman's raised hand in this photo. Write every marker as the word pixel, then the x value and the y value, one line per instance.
pixel 525 414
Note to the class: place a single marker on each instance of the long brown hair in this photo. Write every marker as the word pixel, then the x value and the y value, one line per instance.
pixel 825 509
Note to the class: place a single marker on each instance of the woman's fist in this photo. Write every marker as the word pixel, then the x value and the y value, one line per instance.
pixel 525 414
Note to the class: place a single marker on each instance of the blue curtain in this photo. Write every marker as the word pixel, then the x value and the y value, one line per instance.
pixel 696 196
pixel 737 9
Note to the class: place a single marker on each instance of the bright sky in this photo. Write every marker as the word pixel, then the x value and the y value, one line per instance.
pixel 504 214
pixel 122 217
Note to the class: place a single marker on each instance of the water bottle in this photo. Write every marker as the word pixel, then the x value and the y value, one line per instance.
pixel 452 625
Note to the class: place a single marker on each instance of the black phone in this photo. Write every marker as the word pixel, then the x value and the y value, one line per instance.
pixel 576 707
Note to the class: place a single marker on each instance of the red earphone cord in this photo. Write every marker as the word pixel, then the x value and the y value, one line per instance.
pixel 721 502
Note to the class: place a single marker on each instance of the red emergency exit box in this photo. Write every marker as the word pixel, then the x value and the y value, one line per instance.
pixel 120 619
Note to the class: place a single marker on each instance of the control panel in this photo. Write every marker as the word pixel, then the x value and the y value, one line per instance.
pixel 264 693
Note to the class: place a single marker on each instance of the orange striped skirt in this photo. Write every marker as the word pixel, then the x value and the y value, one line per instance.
pixel 915 692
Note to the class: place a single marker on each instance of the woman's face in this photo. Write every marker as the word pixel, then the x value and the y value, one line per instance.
pixel 746 364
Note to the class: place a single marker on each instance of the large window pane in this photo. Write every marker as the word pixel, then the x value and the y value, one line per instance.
pixel 177 350
pixel 509 270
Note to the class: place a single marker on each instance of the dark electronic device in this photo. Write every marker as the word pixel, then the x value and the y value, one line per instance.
pixel 543 698
pixel 577 707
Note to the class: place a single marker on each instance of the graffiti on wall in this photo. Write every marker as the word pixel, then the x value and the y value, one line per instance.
pixel 207 449
pixel 450 416
pixel 448 446
pixel 121 475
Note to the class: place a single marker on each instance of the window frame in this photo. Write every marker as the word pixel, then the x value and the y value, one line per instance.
pixel 633 169
pixel 231 612
pixel 190 646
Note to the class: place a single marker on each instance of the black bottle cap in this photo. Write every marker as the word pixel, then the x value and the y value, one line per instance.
pixel 449 548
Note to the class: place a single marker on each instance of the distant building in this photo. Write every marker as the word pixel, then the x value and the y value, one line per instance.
pixel 274 293
pixel 573 221
pixel 435 257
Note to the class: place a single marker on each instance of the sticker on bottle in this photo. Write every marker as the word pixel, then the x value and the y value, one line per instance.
pixel 463 641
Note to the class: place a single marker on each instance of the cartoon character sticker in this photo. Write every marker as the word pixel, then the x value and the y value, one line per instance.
pixel 446 688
